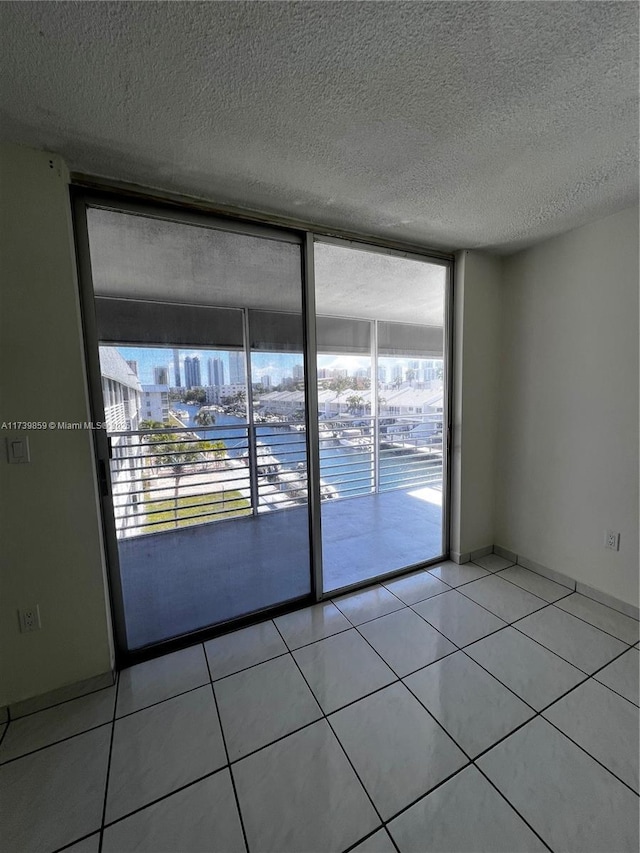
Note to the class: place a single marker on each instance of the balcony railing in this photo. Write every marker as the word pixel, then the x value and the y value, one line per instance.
pixel 168 478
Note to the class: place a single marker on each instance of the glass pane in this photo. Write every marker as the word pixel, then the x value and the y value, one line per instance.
pixel 381 407
pixel 198 330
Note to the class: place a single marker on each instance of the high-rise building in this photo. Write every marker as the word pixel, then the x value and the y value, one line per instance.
pixel 265 381
pixel 192 372
pixel 155 403
pixel 382 373
pixel 397 374
pixel 237 372
pixel 160 375
pixel 298 373
pixel 176 368
pixel 216 371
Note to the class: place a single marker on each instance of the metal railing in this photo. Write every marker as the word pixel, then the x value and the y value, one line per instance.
pixel 168 478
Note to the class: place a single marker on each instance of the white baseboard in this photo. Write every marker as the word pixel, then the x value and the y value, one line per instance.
pixel 504 552
pixel 566 580
pixel 604 598
pixel 465 557
pixel 546 572
pixel 62 694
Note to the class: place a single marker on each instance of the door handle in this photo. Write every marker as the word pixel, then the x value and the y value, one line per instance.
pixel 103 477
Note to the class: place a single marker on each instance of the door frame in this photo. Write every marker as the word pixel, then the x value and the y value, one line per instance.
pixel 168 209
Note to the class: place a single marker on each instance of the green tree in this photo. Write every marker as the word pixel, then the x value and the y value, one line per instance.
pixel 148 424
pixel 165 450
pixel 355 404
pixel 195 395
pixel 204 418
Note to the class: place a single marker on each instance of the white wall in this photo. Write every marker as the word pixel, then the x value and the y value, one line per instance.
pixel 49 522
pixel 568 426
pixel 476 382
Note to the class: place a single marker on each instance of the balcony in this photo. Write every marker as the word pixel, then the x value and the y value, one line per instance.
pixel 213 519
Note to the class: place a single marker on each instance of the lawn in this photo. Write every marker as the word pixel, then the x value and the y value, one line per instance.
pixel 192 506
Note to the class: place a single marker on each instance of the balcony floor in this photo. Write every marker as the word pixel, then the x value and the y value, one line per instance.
pixel 179 581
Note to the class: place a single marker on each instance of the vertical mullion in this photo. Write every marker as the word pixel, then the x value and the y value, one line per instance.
pixel 312 431
pixel 99 442
pixel 251 436
pixel 447 408
pixel 374 406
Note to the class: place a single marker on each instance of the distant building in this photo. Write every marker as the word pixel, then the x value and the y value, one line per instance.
pixel 298 373
pixel 265 381
pixel 397 373
pixel 155 403
pixel 192 378
pixel 160 375
pixel 237 370
pixel 217 393
pixel 122 396
pixel 382 374
pixel 121 391
pixel 176 368
pixel 216 371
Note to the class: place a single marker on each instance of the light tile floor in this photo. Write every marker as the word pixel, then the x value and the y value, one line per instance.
pixel 464 708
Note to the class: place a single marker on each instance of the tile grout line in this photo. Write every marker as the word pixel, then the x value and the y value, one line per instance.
pixel 470 761
pixel 354 627
pixel 100 725
pixel 586 622
pixel 510 804
pixel 64 701
pixel 400 678
pixel 226 752
pixel 536 713
pixel 586 751
pixel 54 743
pixel 107 778
pixel 159 799
pixel 568 595
pixel 557 654
pixel 369 835
pixel 325 717
pixel 76 841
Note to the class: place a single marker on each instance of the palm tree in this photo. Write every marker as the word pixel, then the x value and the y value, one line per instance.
pixel 204 418
pixel 355 403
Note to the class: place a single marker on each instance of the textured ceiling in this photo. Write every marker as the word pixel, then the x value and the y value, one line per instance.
pixel 447 124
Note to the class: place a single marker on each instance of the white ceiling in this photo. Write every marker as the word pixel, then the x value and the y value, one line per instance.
pixel 449 124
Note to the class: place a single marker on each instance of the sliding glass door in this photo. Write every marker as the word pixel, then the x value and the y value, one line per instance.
pixel 221 499
pixel 382 407
pixel 199 331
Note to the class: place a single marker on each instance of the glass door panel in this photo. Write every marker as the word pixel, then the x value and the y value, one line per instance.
pixel 199 331
pixel 381 396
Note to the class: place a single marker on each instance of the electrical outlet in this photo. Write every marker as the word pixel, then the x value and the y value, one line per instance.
pixel 30 619
pixel 612 540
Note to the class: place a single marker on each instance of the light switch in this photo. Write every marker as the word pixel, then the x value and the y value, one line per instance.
pixel 18 450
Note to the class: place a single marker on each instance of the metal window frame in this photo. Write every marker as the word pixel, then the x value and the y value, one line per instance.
pixel 87 192
pixel 447 262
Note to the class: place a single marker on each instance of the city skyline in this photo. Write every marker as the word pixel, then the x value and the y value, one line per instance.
pixel 275 366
